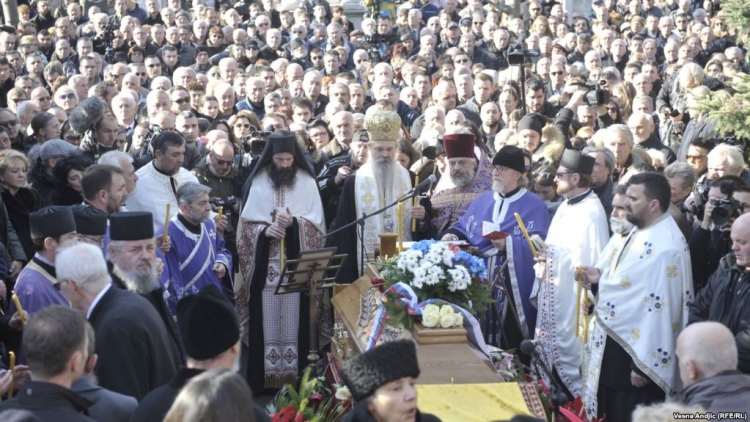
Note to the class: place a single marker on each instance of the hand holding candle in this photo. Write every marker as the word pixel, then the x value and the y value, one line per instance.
pixel 19 309
pixel 526 235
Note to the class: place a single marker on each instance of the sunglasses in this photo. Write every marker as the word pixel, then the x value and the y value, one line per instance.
pixel 68 96
pixel 219 161
pixel 556 73
pixel 611 109
pixel 243 125
pixel 9 123
pixel 183 100
pixel 461 61
pixel 152 65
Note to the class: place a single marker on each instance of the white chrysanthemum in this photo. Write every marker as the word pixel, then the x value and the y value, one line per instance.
pixel 434 274
pixel 408 260
pixel 460 278
pixel 420 274
pixel 433 257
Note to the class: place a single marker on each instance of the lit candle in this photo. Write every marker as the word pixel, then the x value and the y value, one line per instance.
pixel 414 204
pixel 19 309
pixel 12 374
pixel 166 221
pixel 399 216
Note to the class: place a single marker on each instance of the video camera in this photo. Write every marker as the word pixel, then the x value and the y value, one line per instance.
pixel 724 209
pixel 372 44
pixel 517 53
pixel 227 204
pixel 597 95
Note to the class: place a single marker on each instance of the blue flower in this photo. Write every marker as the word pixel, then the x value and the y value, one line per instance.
pixel 423 245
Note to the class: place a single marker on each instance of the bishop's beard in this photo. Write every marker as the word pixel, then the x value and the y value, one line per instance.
pixel 461 178
pixel 139 280
pixel 383 169
pixel 282 177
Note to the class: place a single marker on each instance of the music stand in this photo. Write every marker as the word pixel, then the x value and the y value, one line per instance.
pixel 313 270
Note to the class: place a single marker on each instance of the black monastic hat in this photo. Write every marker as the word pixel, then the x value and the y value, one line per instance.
pixel 512 157
pixel 208 323
pixel 577 162
pixel 89 220
pixel 132 225
pixel 52 221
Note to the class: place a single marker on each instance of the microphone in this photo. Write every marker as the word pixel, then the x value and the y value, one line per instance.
pixel 425 184
pixel 528 347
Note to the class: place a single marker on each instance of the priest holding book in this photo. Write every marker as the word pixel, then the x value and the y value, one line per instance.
pixel 510 259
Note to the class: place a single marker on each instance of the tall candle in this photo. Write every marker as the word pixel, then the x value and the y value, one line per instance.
pixel 12 374
pixel 19 309
pixel 166 220
pixel 399 216
pixel 414 204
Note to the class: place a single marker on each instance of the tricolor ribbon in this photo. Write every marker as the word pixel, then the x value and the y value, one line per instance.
pixel 408 298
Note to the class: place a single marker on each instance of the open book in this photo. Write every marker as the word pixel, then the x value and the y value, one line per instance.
pixel 492 231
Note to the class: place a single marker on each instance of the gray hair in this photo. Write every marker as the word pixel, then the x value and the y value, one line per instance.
pixel 84 264
pixel 683 171
pixel 622 129
pixel 189 192
pixel 609 156
pixel 115 158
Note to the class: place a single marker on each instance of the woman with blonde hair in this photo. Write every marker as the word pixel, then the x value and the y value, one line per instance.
pixel 540 26
pixel 19 197
pixel 623 93
pixel 217 395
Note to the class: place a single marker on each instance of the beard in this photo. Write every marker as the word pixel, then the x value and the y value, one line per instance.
pixel 497 186
pixel 138 280
pixel 460 178
pixel 384 168
pixel 198 217
pixel 620 226
pixel 282 177
pixel 563 188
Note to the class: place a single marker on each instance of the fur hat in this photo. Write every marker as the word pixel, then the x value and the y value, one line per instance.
pixel 86 115
pixel 376 367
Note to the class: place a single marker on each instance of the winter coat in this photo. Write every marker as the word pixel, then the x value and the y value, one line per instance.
pixel 19 206
pixel 726 299
pixel 726 390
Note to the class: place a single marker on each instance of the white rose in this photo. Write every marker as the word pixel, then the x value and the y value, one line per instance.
pixel 458 320
pixel 343 393
pixel 430 309
pixel 446 321
pixel 446 310
pixel 430 320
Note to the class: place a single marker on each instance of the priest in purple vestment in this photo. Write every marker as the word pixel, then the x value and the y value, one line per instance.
pixel 198 256
pixel 51 228
pixel 509 257
pixel 469 176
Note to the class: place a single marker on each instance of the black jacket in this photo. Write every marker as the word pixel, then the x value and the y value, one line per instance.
pixel 134 353
pixel 329 191
pixel 726 390
pixel 155 406
pixel 726 299
pixel 707 247
pixel 42 181
pixel 43 401
pixel 19 206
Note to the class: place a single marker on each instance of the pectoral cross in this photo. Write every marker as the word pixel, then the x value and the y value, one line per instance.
pixel 273 216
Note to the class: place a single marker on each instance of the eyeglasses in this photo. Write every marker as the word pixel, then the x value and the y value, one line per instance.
pixel 43 99
pixel 479 23
pixel 183 100
pixel 242 125
pixel 152 65
pixel 15 100
pixel 219 161
pixel 461 61
pixel 560 174
pixel 68 96
pixel 687 157
pixel 9 123
pixel 557 73
pixel 611 109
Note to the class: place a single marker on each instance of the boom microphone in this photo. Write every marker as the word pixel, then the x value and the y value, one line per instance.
pixel 86 115
pixel 425 184
pixel 528 347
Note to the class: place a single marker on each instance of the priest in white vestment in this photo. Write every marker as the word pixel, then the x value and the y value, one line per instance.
pixel 576 236
pixel 159 180
pixel 283 203
pixel 643 287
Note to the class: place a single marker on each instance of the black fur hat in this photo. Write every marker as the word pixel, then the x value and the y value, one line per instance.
pixel 376 367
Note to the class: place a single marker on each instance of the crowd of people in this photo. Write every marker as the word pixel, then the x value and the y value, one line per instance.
pixel 170 151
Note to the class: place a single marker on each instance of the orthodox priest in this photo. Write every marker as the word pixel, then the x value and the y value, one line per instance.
pixel 285 206
pixel 577 235
pixel 469 176
pixel 377 184
pixel 133 254
pixel 509 257
pixel 51 228
pixel 644 287
pixel 197 256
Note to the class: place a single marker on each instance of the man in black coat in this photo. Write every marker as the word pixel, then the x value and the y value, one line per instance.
pixel 131 340
pixel 55 347
pixel 210 329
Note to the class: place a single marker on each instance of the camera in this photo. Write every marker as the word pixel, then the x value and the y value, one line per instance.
pixel 372 44
pixel 227 203
pixel 724 209
pixel 597 95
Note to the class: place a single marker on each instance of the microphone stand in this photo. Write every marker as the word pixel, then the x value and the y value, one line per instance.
pixel 361 223
pixel 557 394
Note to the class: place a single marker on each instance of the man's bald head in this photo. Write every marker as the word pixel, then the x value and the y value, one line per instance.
pixel 741 240
pixel 165 120
pixel 222 147
pixel 705 349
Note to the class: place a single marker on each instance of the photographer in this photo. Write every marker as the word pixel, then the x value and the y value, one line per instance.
pixel 216 171
pixel 331 177
pixel 711 241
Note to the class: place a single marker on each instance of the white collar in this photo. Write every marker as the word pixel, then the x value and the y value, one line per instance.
pixel 97 299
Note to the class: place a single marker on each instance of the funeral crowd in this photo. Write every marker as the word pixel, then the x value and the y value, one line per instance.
pixel 159 162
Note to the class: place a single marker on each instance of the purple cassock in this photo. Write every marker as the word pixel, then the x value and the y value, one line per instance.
pixel 188 266
pixel 37 287
pixel 518 276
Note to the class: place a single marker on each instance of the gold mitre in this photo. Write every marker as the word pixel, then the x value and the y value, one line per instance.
pixel 383 125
